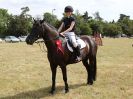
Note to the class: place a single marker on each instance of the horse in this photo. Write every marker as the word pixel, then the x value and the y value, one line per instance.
pixel 59 55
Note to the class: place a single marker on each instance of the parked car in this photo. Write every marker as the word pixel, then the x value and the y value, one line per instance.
pixel 11 39
pixel 22 38
pixel 0 40
pixel 123 35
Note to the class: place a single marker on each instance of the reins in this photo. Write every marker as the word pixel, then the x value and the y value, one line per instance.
pixel 42 49
pixel 47 40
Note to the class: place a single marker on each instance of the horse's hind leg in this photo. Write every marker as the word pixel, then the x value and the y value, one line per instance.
pixel 89 72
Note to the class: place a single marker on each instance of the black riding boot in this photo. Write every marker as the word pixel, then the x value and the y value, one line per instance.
pixel 77 50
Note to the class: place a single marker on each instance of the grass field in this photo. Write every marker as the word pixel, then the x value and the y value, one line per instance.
pixel 25 73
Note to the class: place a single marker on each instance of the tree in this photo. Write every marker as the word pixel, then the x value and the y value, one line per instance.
pixel 82 26
pixel 51 19
pixel 24 10
pixel 20 24
pixel 97 16
pixel 112 29
pixel 126 24
pixel 86 17
pixel 123 16
pixel 4 20
pixel 96 26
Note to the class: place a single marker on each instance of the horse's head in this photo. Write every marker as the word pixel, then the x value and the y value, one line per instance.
pixel 36 32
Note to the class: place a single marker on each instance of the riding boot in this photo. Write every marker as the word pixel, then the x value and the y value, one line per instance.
pixel 77 50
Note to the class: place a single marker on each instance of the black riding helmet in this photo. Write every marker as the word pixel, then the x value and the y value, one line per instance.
pixel 68 9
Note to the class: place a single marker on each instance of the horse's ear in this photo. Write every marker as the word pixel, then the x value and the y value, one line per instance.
pixel 33 19
pixel 41 21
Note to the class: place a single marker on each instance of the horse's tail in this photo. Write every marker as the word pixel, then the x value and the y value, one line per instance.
pixel 95 68
pixel 92 55
pixel 93 52
pixel 94 60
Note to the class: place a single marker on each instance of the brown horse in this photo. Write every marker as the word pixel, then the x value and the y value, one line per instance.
pixel 59 55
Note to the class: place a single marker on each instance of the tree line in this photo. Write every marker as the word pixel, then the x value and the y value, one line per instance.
pixel 19 25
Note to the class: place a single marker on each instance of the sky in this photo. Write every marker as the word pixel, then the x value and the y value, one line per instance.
pixel 108 9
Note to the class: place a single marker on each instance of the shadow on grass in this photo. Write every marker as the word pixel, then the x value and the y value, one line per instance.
pixel 40 93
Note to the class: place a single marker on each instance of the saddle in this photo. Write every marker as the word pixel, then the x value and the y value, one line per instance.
pixel 80 42
pixel 62 41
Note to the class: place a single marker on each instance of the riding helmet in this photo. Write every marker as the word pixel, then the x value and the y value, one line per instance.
pixel 68 9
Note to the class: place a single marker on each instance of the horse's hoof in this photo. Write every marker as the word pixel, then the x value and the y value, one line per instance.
pixel 67 90
pixel 52 92
pixel 94 79
pixel 90 83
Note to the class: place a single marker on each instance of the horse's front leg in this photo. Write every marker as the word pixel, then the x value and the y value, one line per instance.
pixel 53 69
pixel 64 72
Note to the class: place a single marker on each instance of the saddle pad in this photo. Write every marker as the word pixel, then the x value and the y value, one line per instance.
pixel 80 42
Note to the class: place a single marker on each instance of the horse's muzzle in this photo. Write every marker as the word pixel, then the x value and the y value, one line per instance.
pixel 29 41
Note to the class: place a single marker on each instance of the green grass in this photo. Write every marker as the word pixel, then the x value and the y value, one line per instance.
pixel 25 73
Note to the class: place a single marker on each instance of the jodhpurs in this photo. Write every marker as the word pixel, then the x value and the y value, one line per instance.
pixel 72 37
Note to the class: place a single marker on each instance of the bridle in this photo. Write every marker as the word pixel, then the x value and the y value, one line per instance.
pixel 45 40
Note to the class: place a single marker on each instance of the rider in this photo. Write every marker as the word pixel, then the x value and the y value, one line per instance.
pixel 68 23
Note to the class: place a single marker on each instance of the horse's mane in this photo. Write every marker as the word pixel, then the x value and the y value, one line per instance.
pixel 52 27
